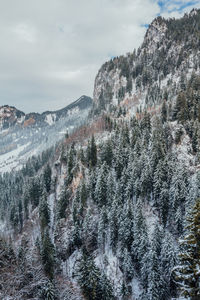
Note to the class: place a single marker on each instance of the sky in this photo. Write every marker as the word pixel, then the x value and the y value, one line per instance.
pixel 51 50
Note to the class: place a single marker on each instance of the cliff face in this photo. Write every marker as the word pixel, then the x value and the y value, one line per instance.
pixel 169 54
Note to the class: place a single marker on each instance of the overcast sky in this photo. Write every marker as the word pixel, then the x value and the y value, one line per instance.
pixel 51 50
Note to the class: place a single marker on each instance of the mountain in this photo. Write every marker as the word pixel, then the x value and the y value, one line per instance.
pixel 10 116
pixel 112 211
pixel 167 57
pixel 23 135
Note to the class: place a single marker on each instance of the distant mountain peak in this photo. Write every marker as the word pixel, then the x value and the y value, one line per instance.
pixel 11 116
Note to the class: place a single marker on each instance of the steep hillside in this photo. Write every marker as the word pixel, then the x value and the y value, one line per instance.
pixel 156 71
pixel 112 211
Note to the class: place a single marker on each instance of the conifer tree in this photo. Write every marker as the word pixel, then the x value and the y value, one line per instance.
pixel 20 208
pixel 70 164
pixel 164 112
pixel 102 228
pixel 35 191
pixel 63 203
pixel 126 226
pixel 47 178
pixel 48 254
pixel 155 288
pixel 187 274
pixel 95 286
pixel 110 187
pixel 88 276
pixel 44 211
pixel 93 152
pixel 48 291
pixel 114 223
pixel 168 260
pixel 140 232
pixel 100 190
pixel 107 153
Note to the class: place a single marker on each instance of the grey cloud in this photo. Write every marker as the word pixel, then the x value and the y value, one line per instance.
pixel 51 50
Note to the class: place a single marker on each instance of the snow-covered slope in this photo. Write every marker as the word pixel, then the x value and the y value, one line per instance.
pixel 23 136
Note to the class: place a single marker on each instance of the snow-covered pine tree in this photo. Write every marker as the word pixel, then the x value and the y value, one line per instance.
pixel 187 273
pixel 100 190
pixel 47 177
pixel 168 260
pixel 48 254
pixel 155 282
pixel 44 211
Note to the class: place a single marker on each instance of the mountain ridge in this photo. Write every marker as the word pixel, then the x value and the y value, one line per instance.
pixel 10 115
pixel 169 53
pixel 23 135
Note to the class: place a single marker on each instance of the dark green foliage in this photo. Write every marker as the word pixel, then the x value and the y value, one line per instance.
pixel 107 153
pixel 20 208
pixel 70 164
pixel 100 190
pixel 47 178
pixel 48 291
pixel 14 217
pixel 187 273
pixel 34 191
pixel 164 112
pixel 63 203
pixel 44 211
pixel 48 254
pixel 178 135
pixel 94 285
pixel 91 152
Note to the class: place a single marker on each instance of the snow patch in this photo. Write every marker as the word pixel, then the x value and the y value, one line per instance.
pixel 50 119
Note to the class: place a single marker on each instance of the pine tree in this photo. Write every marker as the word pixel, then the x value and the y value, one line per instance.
pixel 179 187
pixel 105 288
pixel 88 276
pixel 102 228
pixel 93 152
pixel 44 211
pixel 48 291
pixel 47 178
pixel 110 187
pixel 107 153
pixel 168 261
pixel 35 191
pixel 139 245
pixel 95 286
pixel 187 274
pixel 114 223
pixel 157 239
pixel 63 203
pixel 20 208
pixel 126 226
pixel 155 288
pixel 89 231
pixel 100 190
pixel 48 254
pixel 164 112
pixel 70 164
pixel 127 265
